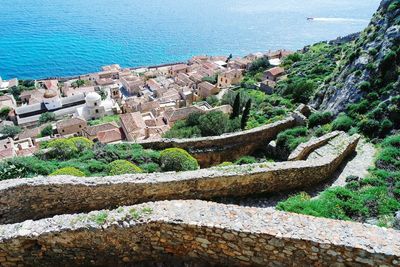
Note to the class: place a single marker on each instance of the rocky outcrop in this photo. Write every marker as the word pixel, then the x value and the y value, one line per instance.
pixel 363 62
pixel 41 197
pixel 197 233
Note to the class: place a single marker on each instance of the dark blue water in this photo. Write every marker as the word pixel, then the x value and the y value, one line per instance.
pixel 42 38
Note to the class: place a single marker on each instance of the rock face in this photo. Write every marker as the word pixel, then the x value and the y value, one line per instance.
pixel 196 233
pixel 364 61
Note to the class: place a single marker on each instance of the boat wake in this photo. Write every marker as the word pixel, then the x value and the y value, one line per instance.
pixel 337 20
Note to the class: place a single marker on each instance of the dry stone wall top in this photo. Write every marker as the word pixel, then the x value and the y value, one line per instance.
pixel 199 232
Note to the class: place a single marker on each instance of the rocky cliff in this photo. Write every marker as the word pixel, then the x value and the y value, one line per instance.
pixel 369 65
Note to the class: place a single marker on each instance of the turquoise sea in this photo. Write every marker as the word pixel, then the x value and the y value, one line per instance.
pixel 47 38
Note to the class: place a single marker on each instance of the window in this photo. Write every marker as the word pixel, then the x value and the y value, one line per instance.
pixel 97 111
pixel 80 126
pixel 95 103
pixel 63 131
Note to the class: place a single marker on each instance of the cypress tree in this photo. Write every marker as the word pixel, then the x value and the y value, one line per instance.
pixel 236 107
pixel 245 116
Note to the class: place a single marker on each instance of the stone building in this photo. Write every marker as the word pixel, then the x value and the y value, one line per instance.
pixel 229 78
pixel 69 126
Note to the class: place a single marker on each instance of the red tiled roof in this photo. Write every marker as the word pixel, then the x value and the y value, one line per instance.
pixel 110 136
pixel 132 121
pixel 276 71
pixel 94 130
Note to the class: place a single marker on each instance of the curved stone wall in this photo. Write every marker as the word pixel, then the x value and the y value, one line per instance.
pixel 227 147
pixel 304 149
pixel 196 232
pixel 41 197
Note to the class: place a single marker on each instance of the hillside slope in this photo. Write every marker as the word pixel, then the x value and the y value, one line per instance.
pixel 370 64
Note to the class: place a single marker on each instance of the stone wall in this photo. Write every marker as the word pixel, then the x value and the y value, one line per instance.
pixel 227 147
pixel 197 233
pixel 304 149
pixel 42 197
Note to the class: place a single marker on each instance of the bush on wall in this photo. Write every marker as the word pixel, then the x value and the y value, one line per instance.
pixel 118 167
pixel 176 159
pixel 68 171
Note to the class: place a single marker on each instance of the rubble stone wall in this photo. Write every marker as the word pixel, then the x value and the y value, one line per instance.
pixel 199 234
pixel 227 147
pixel 41 197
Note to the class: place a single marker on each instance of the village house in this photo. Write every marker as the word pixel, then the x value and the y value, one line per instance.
pixel 206 89
pixel 32 133
pixel 133 84
pixel 179 68
pixel 5 85
pixel 279 54
pixel 182 79
pixel 7 148
pixel 91 132
pixel 115 92
pixel 267 86
pixel 70 91
pixel 25 147
pixel 48 84
pixel 133 126
pixel 35 96
pixel 111 136
pixel 10 148
pixel 172 115
pixel 274 73
pixel 69 126
pixel 171 95
pixel 239 63
pixel 229 78
pixel 7 101
pixel 28 115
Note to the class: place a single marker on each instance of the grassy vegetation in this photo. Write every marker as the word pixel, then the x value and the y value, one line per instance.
pixel 307 70
pixel 105 119
pixel 376 196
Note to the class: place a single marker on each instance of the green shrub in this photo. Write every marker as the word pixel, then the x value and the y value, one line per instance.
pixel 342 123
pixel 319 118
pixel 300 90
pixel 212 100
pixel 68 171
pixel 389 62
pixel 323 129
pixel 369 127
pixel 226 163
pixel 119 167
pixel 47 117
pixel 394 5
pixel 150 167
pixel 386 127
pixel 246 160
pixel 4 112
pixel 82 143
pixel 364 86
pixel 47 131
pixel 291 138
pixel 10 131
pixel 176 159
pixel 61 149
pixel 214 123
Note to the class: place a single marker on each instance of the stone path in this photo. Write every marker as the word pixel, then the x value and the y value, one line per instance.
pixel 357 165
